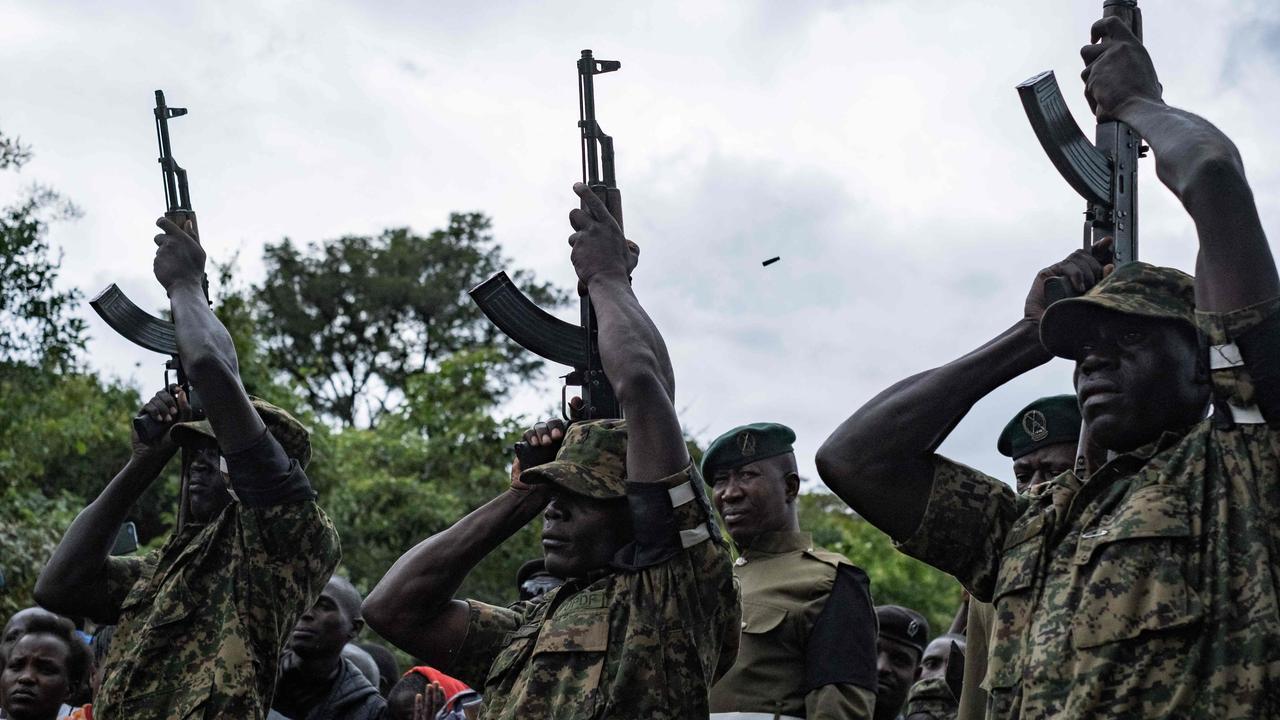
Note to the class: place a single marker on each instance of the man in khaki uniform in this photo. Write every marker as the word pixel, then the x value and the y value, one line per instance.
pixel 1042 439
pixel 808 627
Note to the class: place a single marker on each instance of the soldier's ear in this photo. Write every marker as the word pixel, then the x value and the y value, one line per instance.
pixel 356 626
pixel 792 481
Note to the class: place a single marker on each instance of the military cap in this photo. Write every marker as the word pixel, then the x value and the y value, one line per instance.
pixel 592 461
pixel 903 625
pixel 1135 288
pixel 1047 421
pixel 291 434
pixel 746 444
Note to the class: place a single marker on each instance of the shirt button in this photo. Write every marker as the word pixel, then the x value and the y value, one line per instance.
pixel 740 561
pixel 744 626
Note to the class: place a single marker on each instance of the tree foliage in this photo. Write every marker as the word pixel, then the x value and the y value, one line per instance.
pixel 349 321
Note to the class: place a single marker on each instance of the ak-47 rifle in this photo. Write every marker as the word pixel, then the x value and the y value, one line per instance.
pixel 538 331
pixel 1104 172
pixel 131 321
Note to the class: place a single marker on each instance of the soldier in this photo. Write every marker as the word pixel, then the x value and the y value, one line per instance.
pixel 900 646
pixel 648 611
pixel 532 579
pixel 1042 439
pixel 932 697
pixel 1145 589
pixel 201 620
pixel 808 629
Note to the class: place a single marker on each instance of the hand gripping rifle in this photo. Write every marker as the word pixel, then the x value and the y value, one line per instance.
pixel 1104 172
pixel 131 321
pixel 538 331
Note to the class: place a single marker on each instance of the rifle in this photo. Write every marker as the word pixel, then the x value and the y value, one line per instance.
pixel 538 331
pixel 131 321
pixel 1105 172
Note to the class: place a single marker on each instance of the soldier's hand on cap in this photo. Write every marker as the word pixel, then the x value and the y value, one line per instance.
pixel 1081 270
pixel 1118 69
pixel 179 258
pixel 598 246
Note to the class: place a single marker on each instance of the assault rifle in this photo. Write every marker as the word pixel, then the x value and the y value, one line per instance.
pixel 535 329
pixel 1104 172
pixel 134 323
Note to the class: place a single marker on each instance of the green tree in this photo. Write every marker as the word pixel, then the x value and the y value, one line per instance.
pixel 895 578
pixel 349 321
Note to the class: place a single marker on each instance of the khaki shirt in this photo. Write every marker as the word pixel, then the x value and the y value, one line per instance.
pixel 643 643
pixel 785 585
pixel 1151 590
pixel 202 620
pixel 973 699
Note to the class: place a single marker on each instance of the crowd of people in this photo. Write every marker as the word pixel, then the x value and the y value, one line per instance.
pixel 1129 574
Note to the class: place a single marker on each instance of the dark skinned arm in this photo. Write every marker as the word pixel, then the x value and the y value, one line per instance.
pixel 879 461
pixel 74 581
pixel 1196 161
pixel 413 605
pixel 204 345
pixel 632 351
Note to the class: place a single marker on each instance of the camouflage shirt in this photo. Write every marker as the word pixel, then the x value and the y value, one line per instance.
pixel 1149 591
pixel 202 619
pixel 644 643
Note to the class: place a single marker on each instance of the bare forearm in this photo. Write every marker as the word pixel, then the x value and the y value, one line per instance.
pixel 879 460
pixel 78 560
pixel 408 601
pixel 1204 170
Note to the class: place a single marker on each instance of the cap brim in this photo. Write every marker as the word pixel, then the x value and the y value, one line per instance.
pixel 1066 322
pixel 197 432
pixel 575 478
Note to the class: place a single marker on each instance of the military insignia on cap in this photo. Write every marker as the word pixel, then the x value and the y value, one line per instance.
pixel 913 628
pixel 747 444
pixel 1036 425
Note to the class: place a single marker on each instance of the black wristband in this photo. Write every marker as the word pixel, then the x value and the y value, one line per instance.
pixel 1260 350
pixel 653 524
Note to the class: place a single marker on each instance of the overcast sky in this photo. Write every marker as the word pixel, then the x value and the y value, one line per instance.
pixel 879 148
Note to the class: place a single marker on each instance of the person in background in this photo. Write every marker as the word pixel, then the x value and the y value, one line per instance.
pixel 42 669
pixel 932 697
pixel 532 579
pixel 900 646
pixel 427 692
pixel 388 667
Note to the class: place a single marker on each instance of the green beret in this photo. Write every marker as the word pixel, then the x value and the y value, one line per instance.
pixel 1047 421
pixel 903 625
pixel 746 444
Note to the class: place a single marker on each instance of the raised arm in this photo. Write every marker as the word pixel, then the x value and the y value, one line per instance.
pixel 413 605
pixel 879 461
pixel 631 348
pixel 1196 161
pixel 207 352
pixel 75 581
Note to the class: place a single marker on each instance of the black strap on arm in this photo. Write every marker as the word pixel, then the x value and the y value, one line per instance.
pixel 262 475
pixel 653 521
pixel 1260 350
pixel 842 643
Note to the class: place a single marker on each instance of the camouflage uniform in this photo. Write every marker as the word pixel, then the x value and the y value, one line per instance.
pixel 632 642
pixel 931 700
pixel 202 619
pixel 1151 589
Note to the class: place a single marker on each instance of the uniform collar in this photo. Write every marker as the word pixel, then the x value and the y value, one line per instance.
pixel 777 543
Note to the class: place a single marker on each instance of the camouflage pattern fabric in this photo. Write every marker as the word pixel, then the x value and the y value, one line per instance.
pixel 643 644
pixel 592 461
pixel 785 584
pixel 285 428
pixel 1149 591
pixel 202 620
pixel 931 700
pixel 1135 288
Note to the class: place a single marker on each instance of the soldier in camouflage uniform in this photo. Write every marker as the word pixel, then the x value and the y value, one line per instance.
pixel 648 615
pixel 1148 587
pixel 932 697
pixel 808 626
pixel 201 620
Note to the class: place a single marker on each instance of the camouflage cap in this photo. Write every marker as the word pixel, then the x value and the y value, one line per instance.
pixel 903 625
pixel 746 444
pixel 1135 288
pixel 592 461
pixel 291 434
pixel 1047 421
